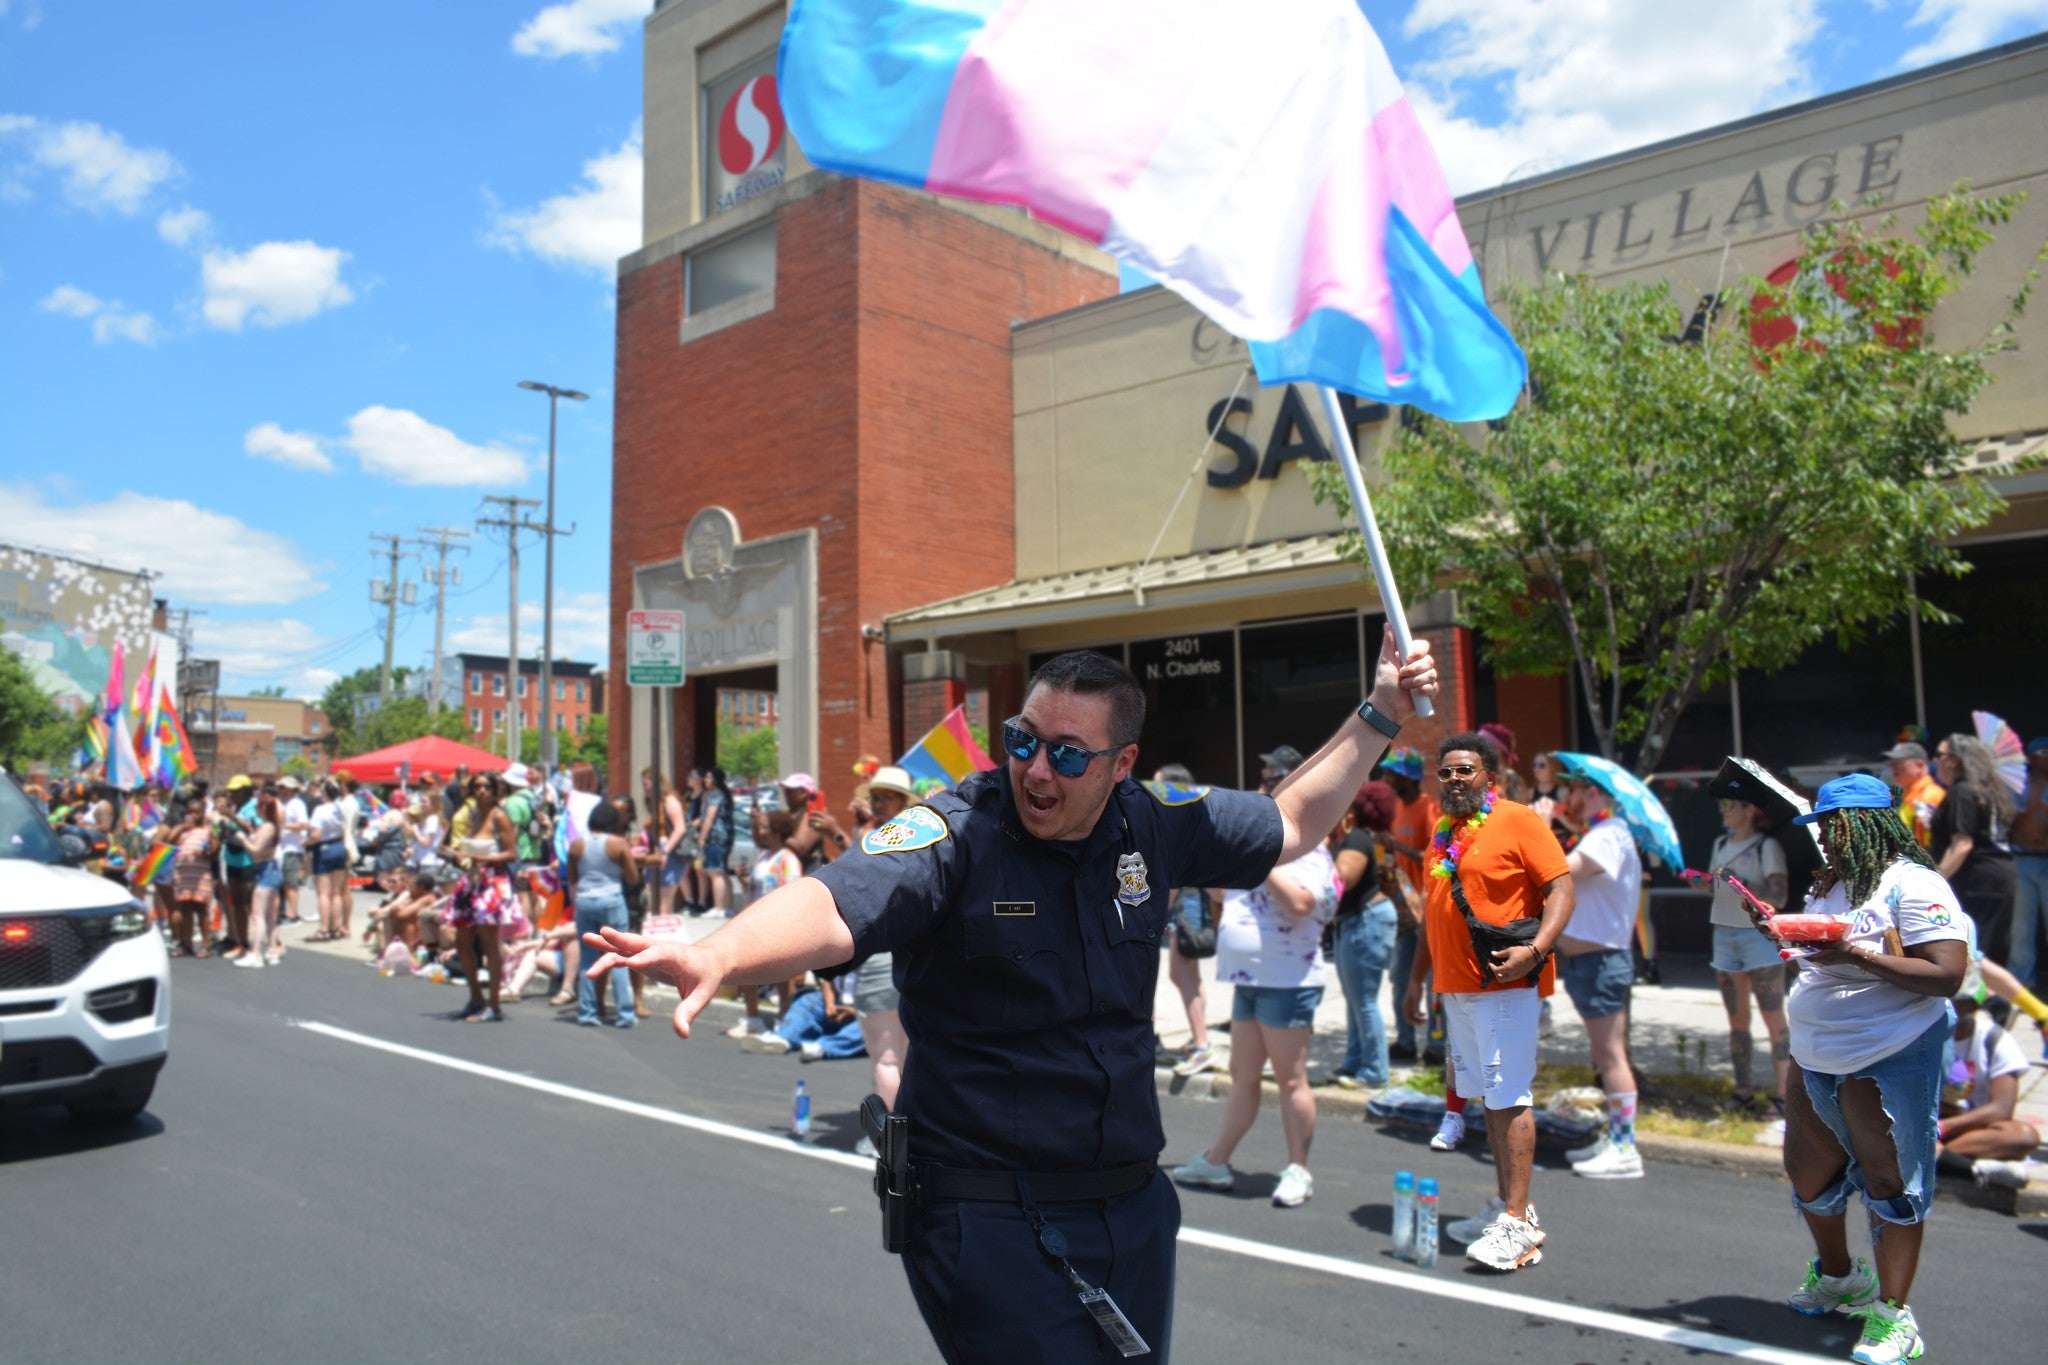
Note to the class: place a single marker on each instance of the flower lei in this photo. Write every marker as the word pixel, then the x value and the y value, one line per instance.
pixel 1445 853
pixel 1600 817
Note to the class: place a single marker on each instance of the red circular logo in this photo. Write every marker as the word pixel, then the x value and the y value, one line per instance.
pixel 1770 332
pixel 749 127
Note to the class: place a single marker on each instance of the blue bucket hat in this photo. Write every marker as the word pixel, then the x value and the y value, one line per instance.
pixel 1857 791
pixel 1405 761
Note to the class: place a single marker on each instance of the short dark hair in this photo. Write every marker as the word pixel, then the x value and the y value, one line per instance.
pixel 604 818
pixel 1472 740
pixel 781 824
pixel 1088 674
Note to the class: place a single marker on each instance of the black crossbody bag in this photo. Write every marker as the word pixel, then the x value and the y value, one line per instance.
pixel 1488 938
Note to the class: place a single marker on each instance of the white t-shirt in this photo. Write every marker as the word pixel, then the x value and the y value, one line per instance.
pixel 326 822
pixel 1258 943
pixel 1844 1018
pixel 1754 861
pixel 1987 1054
pixel 293 840
pixel 1605 903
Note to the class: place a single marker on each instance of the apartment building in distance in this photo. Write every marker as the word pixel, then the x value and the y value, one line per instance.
pixel 479 685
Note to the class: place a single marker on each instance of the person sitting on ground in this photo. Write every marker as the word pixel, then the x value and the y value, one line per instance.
pixel 819 1025
pixel 397 920
pixel 1978 1133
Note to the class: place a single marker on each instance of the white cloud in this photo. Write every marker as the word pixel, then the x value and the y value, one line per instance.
pixel 199 556
pixel 99 168
pixel 1582 78
pixel 293 449
pixel 578 28
pixel 1970 25
pixel 256 652
pixel 582 629
pixel 272 283
pixel 405 446
pixel 111 319
pixel 591 226
pixel 185 226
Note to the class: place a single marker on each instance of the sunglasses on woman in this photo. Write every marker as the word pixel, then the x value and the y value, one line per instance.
pixel 1068 760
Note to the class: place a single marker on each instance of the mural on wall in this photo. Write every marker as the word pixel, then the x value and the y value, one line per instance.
pixel 62 616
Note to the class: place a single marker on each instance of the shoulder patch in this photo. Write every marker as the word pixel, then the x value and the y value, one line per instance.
pixel 919 827
pixel 1173 794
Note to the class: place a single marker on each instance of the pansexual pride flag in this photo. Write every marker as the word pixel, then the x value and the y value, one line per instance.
pixel 1259 159
pixel 948 752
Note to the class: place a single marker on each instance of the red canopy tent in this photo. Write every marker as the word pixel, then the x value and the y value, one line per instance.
pixel 430 754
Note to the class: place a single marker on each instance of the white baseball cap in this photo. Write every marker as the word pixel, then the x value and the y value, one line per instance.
pixel 515 776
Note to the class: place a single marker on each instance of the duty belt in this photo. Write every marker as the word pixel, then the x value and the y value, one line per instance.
pixel 931 1181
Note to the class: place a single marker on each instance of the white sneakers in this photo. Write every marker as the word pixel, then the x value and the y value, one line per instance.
pixel 1509 1243
pixel 1589 1151
pixel 1890 1335
pixel 768 1044
pixel 1295 1187
pixel 752 1024
pixel 1203 1173
pixel 1614 1161
pixel 1468 1230
pixel 1822 1294
pixel 1449 1133
pixel 2012 1175
pixel 812 1051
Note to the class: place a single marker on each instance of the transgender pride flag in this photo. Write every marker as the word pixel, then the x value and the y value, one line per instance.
pixel 1256 156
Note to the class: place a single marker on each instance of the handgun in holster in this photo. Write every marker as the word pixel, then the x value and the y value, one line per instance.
pixel 891 1135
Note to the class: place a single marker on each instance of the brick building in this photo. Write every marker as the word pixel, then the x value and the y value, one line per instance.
pixel 477 684
pixel 748 708
pixel 813 416
pixel 257 735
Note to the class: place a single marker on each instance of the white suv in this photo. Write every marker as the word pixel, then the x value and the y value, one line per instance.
pixel 85 983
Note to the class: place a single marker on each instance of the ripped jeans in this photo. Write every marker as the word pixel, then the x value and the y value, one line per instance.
pixel 1909 1084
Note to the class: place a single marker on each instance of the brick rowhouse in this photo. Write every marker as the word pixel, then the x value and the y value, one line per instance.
pixel 872 403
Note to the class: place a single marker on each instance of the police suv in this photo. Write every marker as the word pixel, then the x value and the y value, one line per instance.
pixel 85 982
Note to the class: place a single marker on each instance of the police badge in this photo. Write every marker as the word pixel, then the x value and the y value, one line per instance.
pixel 1131 888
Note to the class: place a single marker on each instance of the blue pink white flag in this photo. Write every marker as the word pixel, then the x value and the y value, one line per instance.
pixel 1259 159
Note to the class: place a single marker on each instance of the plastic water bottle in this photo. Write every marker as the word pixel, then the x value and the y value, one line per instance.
pixel 1425 1223
pixel 1404 1215
pixel 800 1113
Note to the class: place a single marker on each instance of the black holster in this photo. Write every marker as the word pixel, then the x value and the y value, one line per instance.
pixel 891 1135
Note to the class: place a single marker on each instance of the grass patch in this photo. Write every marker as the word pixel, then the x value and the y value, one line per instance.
pixel 1682 1104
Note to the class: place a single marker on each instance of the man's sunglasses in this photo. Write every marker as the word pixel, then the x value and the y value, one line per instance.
pixel 1068 760
pixel 1451 770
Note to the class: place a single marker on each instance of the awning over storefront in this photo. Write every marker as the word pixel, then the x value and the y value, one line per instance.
pixel 1197 580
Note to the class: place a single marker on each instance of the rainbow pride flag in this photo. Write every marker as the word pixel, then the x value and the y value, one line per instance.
pixel 947 752
pixel 152 863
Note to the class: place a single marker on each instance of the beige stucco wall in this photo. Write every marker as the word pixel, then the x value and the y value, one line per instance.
pixel 1111 401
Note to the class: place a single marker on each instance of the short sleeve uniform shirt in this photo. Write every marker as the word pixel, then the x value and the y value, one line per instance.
pixel 1027 969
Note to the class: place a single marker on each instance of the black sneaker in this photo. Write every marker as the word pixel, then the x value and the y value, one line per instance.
pixel 1396 1052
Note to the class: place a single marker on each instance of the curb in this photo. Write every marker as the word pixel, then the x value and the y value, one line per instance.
pixel 1663 1148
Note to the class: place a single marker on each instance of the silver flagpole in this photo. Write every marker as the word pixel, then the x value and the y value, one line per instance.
pixel 1369 529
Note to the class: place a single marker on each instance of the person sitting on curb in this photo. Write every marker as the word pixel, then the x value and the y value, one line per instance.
pixel 1978 1133
pixel 819 1025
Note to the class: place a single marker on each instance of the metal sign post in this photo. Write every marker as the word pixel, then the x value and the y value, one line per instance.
pixel 654 658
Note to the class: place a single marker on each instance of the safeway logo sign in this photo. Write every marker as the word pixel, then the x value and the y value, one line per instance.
pixel 749 127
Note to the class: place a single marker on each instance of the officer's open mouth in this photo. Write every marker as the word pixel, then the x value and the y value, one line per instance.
pixel 1039 803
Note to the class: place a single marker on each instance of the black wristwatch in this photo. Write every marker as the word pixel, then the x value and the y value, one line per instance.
pixel 1378 719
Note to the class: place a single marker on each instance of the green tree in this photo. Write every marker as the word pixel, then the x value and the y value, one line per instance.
pixel 594 745
pixel 32 729
pixel 1655 513
pixel 401 719
pixel 751 754
pixel 274 690
pixel 340 701
pixel 299 766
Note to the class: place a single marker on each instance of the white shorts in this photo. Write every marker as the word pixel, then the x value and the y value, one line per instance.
pixel 1492 1038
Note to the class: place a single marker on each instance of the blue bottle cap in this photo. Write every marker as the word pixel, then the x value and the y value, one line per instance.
pixel 1404 1180
pixel 1428 1187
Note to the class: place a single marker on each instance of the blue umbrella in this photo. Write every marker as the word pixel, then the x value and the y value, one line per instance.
pixel 1633 802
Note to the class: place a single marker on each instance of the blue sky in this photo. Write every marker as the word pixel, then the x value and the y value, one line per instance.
pixel 269 274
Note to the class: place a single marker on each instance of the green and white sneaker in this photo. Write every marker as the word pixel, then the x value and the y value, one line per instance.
pixel 1204 1174
pixel 1824 1294
pixel 1889 1335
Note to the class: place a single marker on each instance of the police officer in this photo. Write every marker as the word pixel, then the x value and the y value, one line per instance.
pixel 1025 909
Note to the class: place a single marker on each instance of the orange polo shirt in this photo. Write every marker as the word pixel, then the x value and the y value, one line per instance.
pixel 1504 870
pixel 1414 824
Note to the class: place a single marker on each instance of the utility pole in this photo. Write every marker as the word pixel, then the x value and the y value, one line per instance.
pixel 555 394
pixel 387 591
pixel 441 539
pixel 513 523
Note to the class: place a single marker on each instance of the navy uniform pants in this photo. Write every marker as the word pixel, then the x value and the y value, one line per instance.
pixel 988 1292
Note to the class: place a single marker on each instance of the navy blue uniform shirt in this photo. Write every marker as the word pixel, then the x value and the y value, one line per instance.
pixel 1028 969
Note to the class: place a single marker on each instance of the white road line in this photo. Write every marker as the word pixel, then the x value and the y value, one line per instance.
pixel 1462 1290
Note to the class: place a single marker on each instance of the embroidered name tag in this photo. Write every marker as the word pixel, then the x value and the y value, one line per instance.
pixel 1016 907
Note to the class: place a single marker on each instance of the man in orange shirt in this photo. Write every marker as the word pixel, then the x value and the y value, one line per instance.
pixel 1407 838
pixel 1919 794
pixel 1492 862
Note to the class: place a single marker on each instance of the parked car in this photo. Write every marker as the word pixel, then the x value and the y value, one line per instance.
pixel 85 981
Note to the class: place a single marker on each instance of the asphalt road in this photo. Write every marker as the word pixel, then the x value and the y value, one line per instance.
pixel 333 1170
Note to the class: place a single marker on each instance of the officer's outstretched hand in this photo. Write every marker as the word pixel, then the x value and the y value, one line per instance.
pixel 685 966
pixel 1396 683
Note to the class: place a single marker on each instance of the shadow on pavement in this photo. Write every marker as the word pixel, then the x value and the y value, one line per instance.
pixel 1767 1321
pixel 41 1131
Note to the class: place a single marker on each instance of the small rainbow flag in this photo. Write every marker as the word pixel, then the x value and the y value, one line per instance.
pixel 947 752
pixel 152 863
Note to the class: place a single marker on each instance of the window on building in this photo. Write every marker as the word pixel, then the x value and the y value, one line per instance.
pixel 1298 681
pixel 498 718
pixel 314 725
pixel 1190 684
pixel 561 690
pixel 579 692
pixel 522 687
pixel 476 682
pixel 729 270
pixel 476 718
pixel 561 720
pixel 582 724
pixel 497 684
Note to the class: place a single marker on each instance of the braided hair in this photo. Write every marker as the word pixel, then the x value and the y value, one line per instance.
pixel 1862 843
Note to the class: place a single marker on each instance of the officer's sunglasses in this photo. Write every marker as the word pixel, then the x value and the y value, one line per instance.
pixel 1068 760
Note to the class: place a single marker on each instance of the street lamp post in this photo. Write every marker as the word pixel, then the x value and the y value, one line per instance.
pixel 548 755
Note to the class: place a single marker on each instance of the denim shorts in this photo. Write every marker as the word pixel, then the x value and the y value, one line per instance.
pixel 1598 983
pixel 1276 1006
pixel 330 858
pixel 1909 1083
pixel 1739 948
pixel 716 856
pixel 672 869
pixel 269 876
